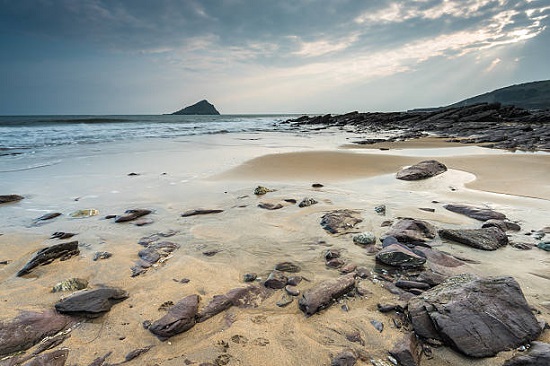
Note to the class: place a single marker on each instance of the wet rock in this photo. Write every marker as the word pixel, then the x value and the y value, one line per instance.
pixel 260 190
pixel 200 211
pixel 440 258
pixel 180 318
pixel 340 221
pixel 407 284
pixel 397 255
pixel 503 225
pixel 149 255
pixel 54 358
pixel 270 206
pixel 332 254
pixel 7 198
pixel 47 255
pixel 478 317
pixel 132 214
pixel 249 277
pixel 147 240
pixel 290 200
pixel 71 284
pixel 288 267
pixel 487 239
pixel 292 290
pixel 365 238
pixel 308 201
pixel 424 169
pixel 62 235
pixel 412 231
pixel 324 293
pixel 48 216
pixel 136 353
pixel 544 246
pixel 29 328
pixel 347 357
pixel 407 350
pixel 537 355
pixel 521 246
pixel 143 221
pixel 153 253
pixel 478 213
pixel 276 280
pixel 101 255
pixel 432 278
pixel 92 303
pixel 294 280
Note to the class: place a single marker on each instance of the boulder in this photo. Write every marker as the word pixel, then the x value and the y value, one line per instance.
pixel 407 350
pixel 424 169
pixel 180 318
pixel 537 355
pixel 478 317
pixel 340 221
pixel 91 304
pixel 47 255
pixel 276 280
pixel 324 293
pixel 490 238
pixel 6 198
pixel 412 231
pixel 397 255
pixel 478 213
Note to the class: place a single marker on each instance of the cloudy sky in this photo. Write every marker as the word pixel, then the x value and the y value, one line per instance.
pixel 264 56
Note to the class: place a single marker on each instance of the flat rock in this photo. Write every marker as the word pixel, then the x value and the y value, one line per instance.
pixel 537 355
pixel 478 213
pixel 323 294
pixel 412 231
pixel 200 211
pixel 397 255
pixel 29 328
pixel 47 255
pixel 340 221
pixel 424 169
pixel 180 318
pixel 54 358
pixel 490 238
pixel 92 303
pixel 132 214
pixel 7 198
pixel 478 317
pixel 270 206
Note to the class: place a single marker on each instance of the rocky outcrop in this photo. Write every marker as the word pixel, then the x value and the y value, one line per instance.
pixel 92 303
pixel 7 198
pixel 490 238
pixel 478 317
pixel 200 108
pixel 478 213
pixel 424 169
pixel 47 255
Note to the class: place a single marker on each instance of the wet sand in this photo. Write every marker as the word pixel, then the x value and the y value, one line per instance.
pixel 221 172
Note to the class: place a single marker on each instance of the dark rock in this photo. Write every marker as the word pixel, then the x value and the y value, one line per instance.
pixel 200 108
pixel 407 351
pixel 424 169
pixel 379 326
pixel 487 239
pixel 340 221
pixel 147 240
pixel 149 255
pixel 47 255
pixel 348 268
pixel 249 277
pixel 200 211
pixel 101 255
pixel 427 209
pixel 261 190
pixel 294 280
pixel 324 293
pixel 180 318
pixel 153 253
pixel 218 304
pixel 365 238
pixel 380 209
pixel 248 297
pixel 286 299
pixel 132 214
pixel 317 185
pixel 6 198
pixel 288 267
pixel 29 328
pixel 335 263
pixel 412 231
pixel 48 216
pixel 387 308
pixel 62 235
pixel 537 355
pixel 307 202
pixel 292 290
pixel 503 225
pixel 411 284
pixel 432 278
pixel 332 254
pixel 290 200
pixel 136 353
pixel 544 246
pixel 143 221
pixel 270 206
pixel 92 303
pixel 440 258
pixel 396 255
pixel 478 213
pixel 99 361
pixel 54 358
pixel 276 280
pixel 478 317
pixel 347 357
pixel 521 246
pixel 71 284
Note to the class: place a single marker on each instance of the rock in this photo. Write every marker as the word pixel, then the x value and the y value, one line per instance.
pixel 81 214
pixel 340 221
pixel 248 297
pixel 200 108
pixel 424 169
pixel 397 255
pixel 180 318
pixel 156 252
pixel 249 277
pixel 288 267
pixel 364 238
pixel 347 357
pixel 294 280
pixel 218 304
pixel 379 326
pixel 286 299
pixel 411 284
pixel 62 235
pixel 200 211
pixel 387 308
pixel 324 293
pixel 537 355
pixel 136 353
pixel 92 303
pixel 544 246
pixel 440 258
pixel 335 263
pixel 133 214
pixel 149 255
pixel 292 290
pixel 487 239
pixel 142 221
pixel 276 280
pixel 317 185
pixel 363 288
pixel 260 190
pixel 432 278
pixel 407 351
pixel 147 240
pixel 54 358
pixel 521 246
pixel 307 202
pixel 348 268
pixel 101 255
pixel 478 317
pixel 47 255
pixel 332 254
pixel 7 198
pixel 503 225
pixel 71 284
pixel 412 231
pixel 478 213
pixel 29 328
pixel 48 216
pixel 381 210
pixel 270 206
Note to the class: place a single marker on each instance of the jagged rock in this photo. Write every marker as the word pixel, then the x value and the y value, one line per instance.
pixel 365 238
pixel 200 211
pixel 54 358
pixel 478 213
pixel 6 198
pixel 407 351
pixel 200 108
pixel 537 355
pixel 424 169
pixel 29 328
pixel 153 253
pixel 308 201
pixel 347 357
pixel 132 214
pixel 478 317
pixel 324 293
pixel 71 284
pixel 340 221
pixel 397 255
pixel 412 231
pixel 47 255
pixel 276 280
pixel 180 318
pixel 487 239
pixel 92 303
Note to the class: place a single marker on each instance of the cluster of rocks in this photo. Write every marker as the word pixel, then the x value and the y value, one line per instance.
pixel 493 125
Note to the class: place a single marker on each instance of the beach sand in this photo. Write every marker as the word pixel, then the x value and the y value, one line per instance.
pixel 221 171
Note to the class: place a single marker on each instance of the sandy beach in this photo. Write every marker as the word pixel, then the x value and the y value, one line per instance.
pixel 220 172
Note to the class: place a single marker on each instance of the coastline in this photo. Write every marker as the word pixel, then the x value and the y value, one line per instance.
pixel 221 171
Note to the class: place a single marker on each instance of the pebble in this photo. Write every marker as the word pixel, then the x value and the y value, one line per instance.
pixel 249 277
pixel 292 290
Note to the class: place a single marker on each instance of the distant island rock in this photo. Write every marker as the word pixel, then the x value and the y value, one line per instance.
pixel 201 108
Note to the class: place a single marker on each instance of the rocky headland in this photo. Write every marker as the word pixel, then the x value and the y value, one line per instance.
pixel 200 108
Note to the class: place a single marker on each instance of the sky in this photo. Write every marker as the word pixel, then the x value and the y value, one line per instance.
pixel 264 56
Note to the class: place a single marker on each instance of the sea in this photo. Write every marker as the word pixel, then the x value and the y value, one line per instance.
pixel 29 134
